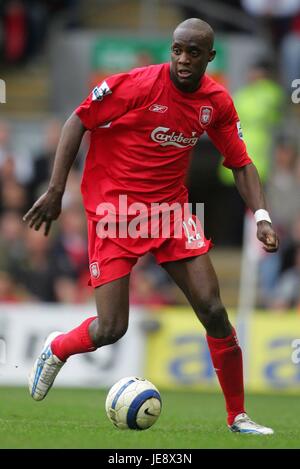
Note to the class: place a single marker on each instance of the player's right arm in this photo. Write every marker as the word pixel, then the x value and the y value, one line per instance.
pixel 48 207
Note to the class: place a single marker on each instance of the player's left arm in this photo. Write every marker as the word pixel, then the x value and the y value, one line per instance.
pixel 249 186
pixel 226 134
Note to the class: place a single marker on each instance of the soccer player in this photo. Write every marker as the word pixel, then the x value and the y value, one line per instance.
pixel 143 125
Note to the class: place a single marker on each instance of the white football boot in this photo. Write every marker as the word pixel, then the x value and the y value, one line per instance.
pixel 243 424
pixel 45 370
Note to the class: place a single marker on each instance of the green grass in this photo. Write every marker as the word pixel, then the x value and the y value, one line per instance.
pixel 75 418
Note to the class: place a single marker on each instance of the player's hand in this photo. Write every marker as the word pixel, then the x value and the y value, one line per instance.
pixel 46 209
pixel 267 236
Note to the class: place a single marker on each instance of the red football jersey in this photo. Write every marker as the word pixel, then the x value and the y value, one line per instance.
pixel 142 132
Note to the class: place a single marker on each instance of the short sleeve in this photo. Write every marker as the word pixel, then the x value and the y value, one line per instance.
pixel 109 100
pixel 226 135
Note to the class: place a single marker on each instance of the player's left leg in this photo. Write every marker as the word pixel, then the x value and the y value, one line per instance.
pixel 197 279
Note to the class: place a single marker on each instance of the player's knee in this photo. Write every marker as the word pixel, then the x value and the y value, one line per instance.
pixel 210 306
pixel 216 313
pixel 213 315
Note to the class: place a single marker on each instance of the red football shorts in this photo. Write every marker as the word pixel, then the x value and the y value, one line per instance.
pixel 113 257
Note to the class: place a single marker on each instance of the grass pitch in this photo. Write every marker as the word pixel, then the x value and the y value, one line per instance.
pixel 75 418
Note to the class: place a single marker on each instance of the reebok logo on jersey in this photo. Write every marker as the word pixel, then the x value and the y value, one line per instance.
pixel 158 108
pixel 164 137
pixel 100 91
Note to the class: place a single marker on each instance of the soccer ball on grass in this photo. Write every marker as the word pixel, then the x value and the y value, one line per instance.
pixel 133 403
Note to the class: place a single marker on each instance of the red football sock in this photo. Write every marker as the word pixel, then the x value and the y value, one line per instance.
pixel 76 341
pixel 227 359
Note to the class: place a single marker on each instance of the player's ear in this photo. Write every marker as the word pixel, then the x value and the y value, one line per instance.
pixel 212 55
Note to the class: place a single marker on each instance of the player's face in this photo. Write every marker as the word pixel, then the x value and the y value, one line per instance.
pixel 191 52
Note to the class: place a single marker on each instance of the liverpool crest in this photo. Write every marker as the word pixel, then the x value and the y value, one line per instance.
pixel 95 271
pixel 205 115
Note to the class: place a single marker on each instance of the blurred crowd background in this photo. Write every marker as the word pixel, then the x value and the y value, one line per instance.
pixel 52 52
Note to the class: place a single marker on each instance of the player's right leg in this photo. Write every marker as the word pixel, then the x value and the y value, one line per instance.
pixel 112 300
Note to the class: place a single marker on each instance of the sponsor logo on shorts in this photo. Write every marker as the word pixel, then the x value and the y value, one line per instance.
pixel 95 270
pixel 166 137
pixel 205 115
pixel 158 108
pixel 99 92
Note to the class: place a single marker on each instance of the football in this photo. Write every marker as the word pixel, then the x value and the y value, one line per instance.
pixel 133 403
